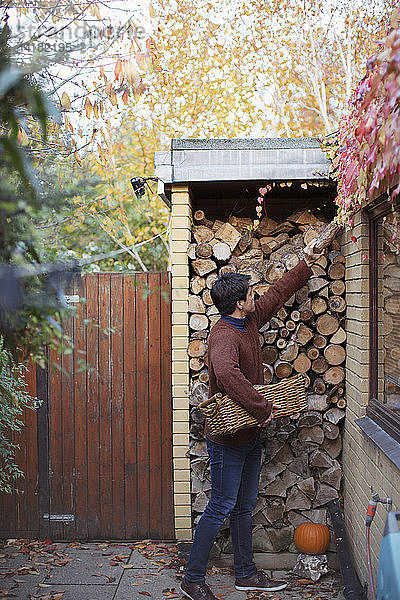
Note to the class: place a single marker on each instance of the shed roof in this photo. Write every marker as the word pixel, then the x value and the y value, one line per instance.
pixel 190 160
pixel 218 168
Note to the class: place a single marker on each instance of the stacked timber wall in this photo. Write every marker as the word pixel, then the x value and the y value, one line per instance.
pixel 301 470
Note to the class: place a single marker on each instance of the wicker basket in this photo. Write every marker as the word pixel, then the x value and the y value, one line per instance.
pixel 224 416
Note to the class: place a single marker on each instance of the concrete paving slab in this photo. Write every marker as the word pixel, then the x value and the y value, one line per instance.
pixel 154 584
pixel 142 562
pixel 83 592
pixel 89 567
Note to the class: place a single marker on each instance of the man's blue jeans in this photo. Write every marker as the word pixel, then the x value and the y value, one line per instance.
pixel 235 474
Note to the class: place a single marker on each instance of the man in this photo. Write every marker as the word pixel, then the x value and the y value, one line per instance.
pixel 235 365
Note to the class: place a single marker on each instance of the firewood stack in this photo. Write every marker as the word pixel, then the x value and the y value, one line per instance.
pixel 300 472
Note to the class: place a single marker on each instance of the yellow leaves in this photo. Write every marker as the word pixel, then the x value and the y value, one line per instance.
pixel 96 110
pixel 65 101
pixel 152 12
pixel 132 76
pixel 140 59
pixel 113 98
pixel 68 125
pixel 102 72
pixel 88 107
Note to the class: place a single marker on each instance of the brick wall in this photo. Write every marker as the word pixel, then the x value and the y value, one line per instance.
pixel 363 463
pixel 180 238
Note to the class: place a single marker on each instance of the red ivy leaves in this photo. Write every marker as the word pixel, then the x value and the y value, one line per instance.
pixel 369 133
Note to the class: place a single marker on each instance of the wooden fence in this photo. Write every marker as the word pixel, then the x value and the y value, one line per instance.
pixel 98 453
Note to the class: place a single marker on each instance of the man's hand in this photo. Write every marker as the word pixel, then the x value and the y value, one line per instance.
pixel 309 255
pixel 265 423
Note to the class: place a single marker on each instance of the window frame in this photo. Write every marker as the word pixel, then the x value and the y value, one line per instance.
pixel 377 411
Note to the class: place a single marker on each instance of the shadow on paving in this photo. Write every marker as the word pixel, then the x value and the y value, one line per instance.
pixel 30 569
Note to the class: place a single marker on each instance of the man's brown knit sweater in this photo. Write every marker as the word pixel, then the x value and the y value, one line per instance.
pixel 235 358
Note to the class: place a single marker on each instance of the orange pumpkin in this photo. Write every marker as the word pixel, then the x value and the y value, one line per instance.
pixel 312 538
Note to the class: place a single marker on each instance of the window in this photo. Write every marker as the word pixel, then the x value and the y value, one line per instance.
pixel 384 405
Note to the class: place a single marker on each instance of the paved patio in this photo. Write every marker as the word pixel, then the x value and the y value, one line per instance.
pixel 129 571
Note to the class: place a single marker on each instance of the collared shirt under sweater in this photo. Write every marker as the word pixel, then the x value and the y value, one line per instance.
pixel 235 357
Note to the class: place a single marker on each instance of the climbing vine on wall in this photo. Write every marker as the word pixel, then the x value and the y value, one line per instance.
pixel 366 151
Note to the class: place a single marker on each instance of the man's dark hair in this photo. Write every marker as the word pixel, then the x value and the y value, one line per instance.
pixel 227 290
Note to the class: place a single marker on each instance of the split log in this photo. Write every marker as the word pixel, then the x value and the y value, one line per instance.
pixel 191 251
pixel 331 430
pixel 290 352
pixel 318 305
pixel 217 224
pixel 326 237
pixel 268 373
pixel 197 284
pixel 228 234
pixel 206 297
pixel 211 279
pixel 334 415
pixel 270 336
pixel 269 244
pixel 199 335
pixel 274 272
pixel 309 418
pixel 202 266
pixel 245 240
pixel 198 322
pixel 214 319
pixel 335 354
pixel 195 305
pixel 303 334
pixel 202 234
pixel 339 337
pixel 241 223
pixel 265 227
pixel 317 283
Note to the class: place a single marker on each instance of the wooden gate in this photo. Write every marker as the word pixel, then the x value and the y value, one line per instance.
pixel 99 461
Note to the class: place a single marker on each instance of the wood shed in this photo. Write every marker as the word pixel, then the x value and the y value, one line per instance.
pixel 212 187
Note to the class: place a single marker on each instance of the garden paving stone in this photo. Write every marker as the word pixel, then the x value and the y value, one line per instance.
pixel 150 573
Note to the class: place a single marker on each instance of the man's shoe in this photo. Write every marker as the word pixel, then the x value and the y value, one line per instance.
pixel 197 591
pixel 259 582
